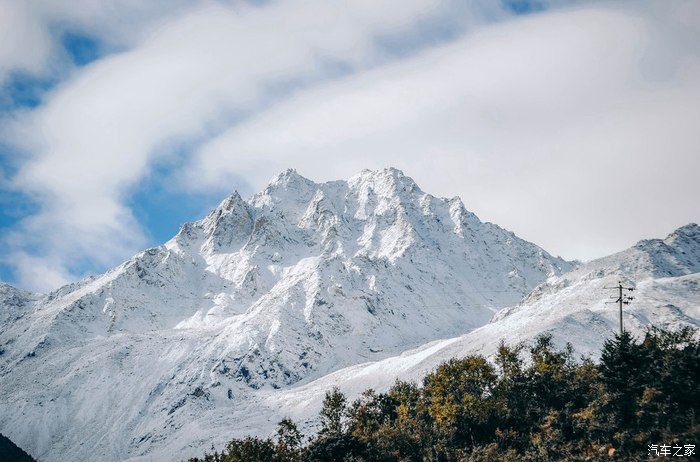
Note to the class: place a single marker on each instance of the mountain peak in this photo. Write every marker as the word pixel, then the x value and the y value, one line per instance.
pixel 691 230
pixel 386 182
pixel 289 178
pixel 230 201
pixel 383 174
pixel 680 238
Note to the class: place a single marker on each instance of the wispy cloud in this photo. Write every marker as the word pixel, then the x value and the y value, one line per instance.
pixel 32 31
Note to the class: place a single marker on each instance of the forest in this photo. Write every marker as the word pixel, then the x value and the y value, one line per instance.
pixel 639 401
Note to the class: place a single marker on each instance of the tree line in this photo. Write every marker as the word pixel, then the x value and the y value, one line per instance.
pixel 536 403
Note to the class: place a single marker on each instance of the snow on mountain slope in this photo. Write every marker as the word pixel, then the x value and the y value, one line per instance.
pixel 665 273
pixel 159 355
pixel 15 303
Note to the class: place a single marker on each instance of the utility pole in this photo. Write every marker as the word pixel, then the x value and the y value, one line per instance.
pixel 622 298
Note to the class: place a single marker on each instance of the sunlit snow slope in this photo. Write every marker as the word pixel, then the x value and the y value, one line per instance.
pixel 184 344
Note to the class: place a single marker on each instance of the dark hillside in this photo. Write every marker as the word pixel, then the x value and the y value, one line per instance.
pixel 10 452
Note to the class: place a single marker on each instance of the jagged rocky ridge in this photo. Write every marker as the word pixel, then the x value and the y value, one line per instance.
pixel 298 281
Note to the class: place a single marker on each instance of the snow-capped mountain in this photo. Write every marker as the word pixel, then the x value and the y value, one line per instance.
pixel 253 312
pixel 165 351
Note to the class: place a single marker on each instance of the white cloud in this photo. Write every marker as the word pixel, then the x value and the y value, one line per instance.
pixel 24 43
pixel 30 30
pixel 575 129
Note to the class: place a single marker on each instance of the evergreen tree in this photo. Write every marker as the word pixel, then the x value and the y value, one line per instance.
pixel 289 441
pixel 333 413
pixel 333 443
pixel 624 366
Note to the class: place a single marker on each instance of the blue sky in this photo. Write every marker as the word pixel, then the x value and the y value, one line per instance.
pixel 122 121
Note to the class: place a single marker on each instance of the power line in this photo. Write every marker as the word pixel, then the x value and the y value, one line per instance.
pixel 622 298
